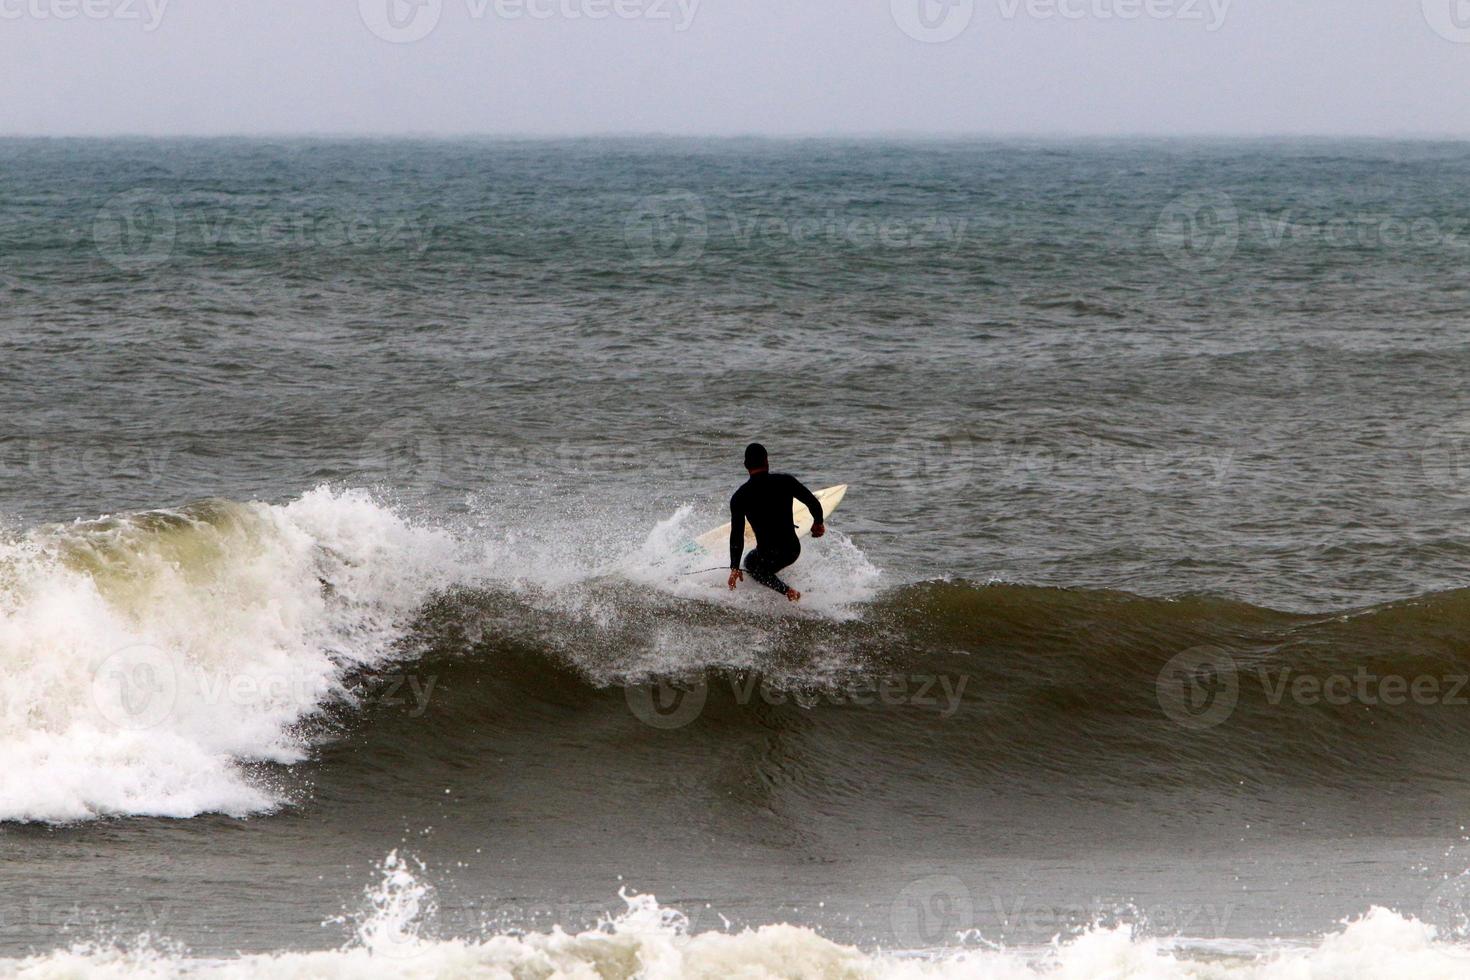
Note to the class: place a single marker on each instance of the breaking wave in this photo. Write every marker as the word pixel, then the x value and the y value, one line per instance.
pixel 173 663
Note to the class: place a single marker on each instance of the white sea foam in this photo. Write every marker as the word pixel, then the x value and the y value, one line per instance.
pixel 145 658
pixel 649 942
pixel 833 574
pixel 559 554
pixel 148 657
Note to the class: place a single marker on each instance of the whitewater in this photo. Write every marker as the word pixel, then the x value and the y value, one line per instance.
pixel 174 663
pixel 394 925
pixel 152 658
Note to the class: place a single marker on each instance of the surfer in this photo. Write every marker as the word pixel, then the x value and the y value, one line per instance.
pixel 765 500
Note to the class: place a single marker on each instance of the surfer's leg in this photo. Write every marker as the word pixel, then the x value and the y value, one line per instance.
pixel 763 569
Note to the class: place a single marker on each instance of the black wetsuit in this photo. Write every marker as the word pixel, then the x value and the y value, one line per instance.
pixel 765 500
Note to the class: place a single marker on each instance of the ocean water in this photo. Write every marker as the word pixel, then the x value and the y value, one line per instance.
pixel 347 628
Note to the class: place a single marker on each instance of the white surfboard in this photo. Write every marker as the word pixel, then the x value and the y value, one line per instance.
pixel 717 540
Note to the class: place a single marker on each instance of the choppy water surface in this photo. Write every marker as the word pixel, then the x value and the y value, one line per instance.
pixel 1142 624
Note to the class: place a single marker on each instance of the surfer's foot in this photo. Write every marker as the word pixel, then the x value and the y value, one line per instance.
pixel 793 595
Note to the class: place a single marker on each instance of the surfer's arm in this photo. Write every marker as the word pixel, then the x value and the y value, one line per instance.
pixel 737 532
pixel 812 504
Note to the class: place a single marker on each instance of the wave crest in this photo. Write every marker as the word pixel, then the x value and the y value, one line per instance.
pixel 149 657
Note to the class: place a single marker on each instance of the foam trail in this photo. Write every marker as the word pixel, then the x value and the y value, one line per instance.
pixel 654 943
pixel 147 657
pixel 833 573
pixel 584 546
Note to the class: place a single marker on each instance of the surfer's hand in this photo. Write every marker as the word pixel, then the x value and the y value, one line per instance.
pixel 736 575
pixel 818 530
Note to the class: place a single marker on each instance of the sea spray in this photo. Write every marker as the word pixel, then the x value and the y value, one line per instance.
pixel 148 657
pixel 395 910
pixel 650 942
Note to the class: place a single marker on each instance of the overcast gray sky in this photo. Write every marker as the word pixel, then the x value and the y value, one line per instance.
pixel 735 66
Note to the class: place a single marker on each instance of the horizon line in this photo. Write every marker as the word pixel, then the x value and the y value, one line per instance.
pixel 854 135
